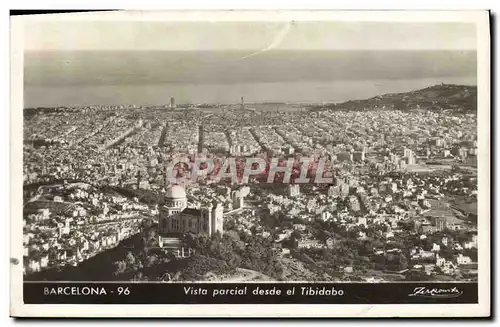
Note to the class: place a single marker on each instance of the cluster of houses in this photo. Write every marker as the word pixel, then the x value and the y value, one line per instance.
pixel 72 223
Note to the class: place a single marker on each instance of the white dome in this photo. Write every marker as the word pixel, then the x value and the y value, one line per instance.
pixel 176 192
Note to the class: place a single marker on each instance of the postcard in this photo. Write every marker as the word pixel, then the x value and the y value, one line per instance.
pixel 250 164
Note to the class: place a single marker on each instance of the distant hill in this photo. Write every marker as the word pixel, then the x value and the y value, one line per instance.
pixel 461 98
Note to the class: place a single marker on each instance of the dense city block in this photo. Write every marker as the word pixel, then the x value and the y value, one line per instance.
pixel 397 197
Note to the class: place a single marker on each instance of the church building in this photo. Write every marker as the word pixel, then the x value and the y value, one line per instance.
pixel 177 218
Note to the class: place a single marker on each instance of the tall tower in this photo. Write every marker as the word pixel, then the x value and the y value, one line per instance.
pixel 139 179
pixel 172 102
pixel 201 139
pixel 242 105
pixel 44 168
pixel 212 219
pixel 237 200
pixel 217 218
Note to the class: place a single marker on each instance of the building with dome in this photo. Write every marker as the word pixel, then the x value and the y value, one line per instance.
pixel 175 200
pixel 176 218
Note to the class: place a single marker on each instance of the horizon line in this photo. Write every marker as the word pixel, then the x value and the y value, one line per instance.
pixel 236 103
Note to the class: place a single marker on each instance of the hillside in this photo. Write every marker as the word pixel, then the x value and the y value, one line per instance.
pixel 460 98
pixel 240 275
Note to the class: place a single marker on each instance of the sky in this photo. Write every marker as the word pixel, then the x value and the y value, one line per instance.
pixel 257 36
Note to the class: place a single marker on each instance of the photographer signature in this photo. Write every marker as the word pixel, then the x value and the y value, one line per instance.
pixel 436 292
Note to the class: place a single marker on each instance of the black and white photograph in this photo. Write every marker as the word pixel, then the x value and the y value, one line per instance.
pixel 251 157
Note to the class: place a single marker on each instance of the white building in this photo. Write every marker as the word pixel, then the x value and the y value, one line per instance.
pixel 177 218
pixel 463 260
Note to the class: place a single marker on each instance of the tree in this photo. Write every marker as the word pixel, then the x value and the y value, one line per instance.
pixel 120 267
pixel 152 243
pixel 151 232
pixel 323 235
pixel 298 220
pixel 407 226
pixel 327 255
pixel 138 277
pixel 472 253
pixel 365 248
pixel 151 260
pixel 427 244
pixel 130 259
pixel 403 262
pixel 291 243
pixel 415 275
pixel 446 252
pixel 233 235
pixel 463 236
